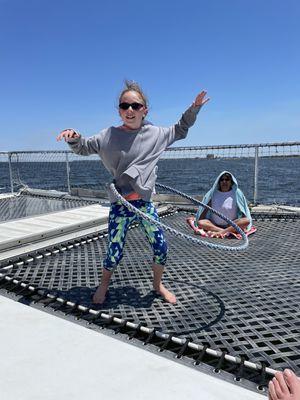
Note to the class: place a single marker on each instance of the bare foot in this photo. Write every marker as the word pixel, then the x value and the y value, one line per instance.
pixel 168 296
pixel 284 386
pixel 199 231
pixel 217 234
pixel 99 296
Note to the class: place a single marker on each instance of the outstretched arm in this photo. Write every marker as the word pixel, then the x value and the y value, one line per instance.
pixel 189 116
pixel 79 144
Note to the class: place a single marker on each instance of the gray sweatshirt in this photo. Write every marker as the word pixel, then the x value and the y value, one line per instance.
pixel 131 156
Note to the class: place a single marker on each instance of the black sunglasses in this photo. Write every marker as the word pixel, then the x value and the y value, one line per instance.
pixel 225 179
pixel 134 106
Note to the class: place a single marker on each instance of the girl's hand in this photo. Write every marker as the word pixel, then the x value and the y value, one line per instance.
pixel 67 134
pixel 200 100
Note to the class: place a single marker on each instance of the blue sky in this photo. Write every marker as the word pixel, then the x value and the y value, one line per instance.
pixel 63 63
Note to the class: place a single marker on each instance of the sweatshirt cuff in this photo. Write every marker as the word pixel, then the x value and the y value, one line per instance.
pixel 73 140
pixel 195 109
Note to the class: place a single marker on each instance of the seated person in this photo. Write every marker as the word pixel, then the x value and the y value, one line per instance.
pixel 229 200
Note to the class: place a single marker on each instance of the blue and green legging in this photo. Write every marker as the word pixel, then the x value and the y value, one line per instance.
pixel 119 220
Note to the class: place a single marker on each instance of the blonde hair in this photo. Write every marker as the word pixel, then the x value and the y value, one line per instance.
pixel 131 86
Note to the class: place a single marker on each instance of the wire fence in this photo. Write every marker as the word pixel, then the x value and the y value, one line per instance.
pixel 267 173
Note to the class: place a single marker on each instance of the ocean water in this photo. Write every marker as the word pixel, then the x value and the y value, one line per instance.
pixel 278 177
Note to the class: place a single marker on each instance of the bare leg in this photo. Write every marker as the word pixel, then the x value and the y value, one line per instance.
pixel 100 293
pixel 241 222
pixel 284 386
pixel 208 226
pixel 159 287
pixel 216 231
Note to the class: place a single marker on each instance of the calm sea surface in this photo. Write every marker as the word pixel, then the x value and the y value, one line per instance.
pixel 278 178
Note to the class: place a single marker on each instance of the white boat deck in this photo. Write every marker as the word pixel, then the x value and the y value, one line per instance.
pixel 25 234
pixel 51 358
pixel 29 234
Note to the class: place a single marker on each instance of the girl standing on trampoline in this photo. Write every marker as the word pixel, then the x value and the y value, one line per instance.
pixel 130 153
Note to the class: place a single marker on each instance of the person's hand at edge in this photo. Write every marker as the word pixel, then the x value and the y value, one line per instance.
pixel 67 134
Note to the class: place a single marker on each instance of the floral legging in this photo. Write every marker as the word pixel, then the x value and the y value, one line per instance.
pixel 119 220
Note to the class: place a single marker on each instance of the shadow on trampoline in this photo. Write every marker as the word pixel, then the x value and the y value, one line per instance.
pixel 197 308
pixel 126 295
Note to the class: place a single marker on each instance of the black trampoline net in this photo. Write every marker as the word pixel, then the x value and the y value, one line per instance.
pixel 23 206
pixel 244 302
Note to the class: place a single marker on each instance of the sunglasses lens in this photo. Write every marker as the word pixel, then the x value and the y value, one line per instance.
pixel 225 178
pixel 124 106
pixel 134 106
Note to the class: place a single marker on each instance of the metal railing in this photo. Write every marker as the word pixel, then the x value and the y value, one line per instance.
pixel 192 169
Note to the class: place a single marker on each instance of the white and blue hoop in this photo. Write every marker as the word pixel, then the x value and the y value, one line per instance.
pixel 192 239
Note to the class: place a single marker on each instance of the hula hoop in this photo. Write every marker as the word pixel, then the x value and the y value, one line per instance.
pixel 201 242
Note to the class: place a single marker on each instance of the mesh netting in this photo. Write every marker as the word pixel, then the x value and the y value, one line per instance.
pixel 189 169
pixel 26 205
pixel 196 168
pixel 246 303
